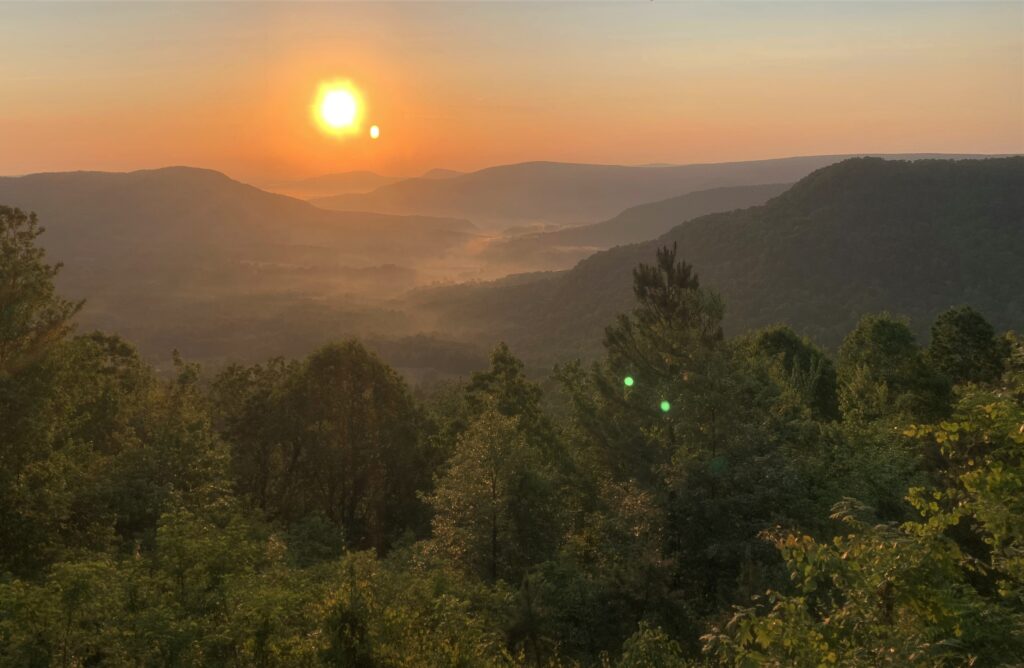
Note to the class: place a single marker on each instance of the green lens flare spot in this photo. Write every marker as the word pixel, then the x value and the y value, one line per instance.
pixel 628 381
pixel 665 406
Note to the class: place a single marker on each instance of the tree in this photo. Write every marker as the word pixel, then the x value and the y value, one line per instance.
pixel 664 361
pixel 651 648
pixel 685 416
pixel 338 435
pixel 495 507
pixel 945 589
pixel 505 388
pixel 965 348
pixel 800 369
pixel 32 316
pixel 883 372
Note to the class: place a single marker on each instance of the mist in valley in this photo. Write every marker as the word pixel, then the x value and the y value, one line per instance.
pixel 508 335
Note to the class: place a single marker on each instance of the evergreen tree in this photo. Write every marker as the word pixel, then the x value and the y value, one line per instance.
pixel 32 316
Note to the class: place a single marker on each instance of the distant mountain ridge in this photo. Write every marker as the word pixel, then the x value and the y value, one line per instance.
pixel 346 183
pixel 340 183
pixel 181 257
pixel 562 248
pixel 567 193
pixel 859 236
pixel 206 205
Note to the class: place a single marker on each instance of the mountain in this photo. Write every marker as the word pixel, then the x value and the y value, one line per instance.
pixel 190 258
pixel 562 248
pixel 438 173
pixel 342 183
pixel 197 211
pixel 859 236
pixel 564 193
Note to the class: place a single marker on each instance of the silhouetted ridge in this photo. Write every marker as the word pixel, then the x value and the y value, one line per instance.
pixel 860 236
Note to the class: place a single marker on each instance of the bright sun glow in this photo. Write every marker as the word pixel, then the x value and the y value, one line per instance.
pixel 338 108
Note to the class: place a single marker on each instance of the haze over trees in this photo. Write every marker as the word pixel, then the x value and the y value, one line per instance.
pixel 188 259
pixel 564 247
pixel 861 236
pixel 567 193
pixel 688 497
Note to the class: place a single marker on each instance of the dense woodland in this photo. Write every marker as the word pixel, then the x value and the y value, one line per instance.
pixel 859 236
pixel 688 499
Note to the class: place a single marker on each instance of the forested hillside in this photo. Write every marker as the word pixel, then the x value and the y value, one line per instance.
pixel 191 259
pixel 860 236
pixel 326 185
pixel 565 193
pixel 690 499
pixel 562 248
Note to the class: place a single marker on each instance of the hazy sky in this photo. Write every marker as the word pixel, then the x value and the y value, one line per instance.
pixel 229 86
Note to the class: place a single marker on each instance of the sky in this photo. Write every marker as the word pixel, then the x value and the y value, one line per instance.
pixel 229 86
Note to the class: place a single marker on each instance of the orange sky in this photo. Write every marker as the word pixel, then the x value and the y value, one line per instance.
pixel 228 86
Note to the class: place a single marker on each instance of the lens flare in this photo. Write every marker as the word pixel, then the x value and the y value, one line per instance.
pixel 338 108
pixel 628 381
pixel 665 407
pixel 374 132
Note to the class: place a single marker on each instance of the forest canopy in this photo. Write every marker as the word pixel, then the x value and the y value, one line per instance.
pixel 738 501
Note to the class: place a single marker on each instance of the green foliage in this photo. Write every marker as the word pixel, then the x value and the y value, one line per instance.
pixel 32 316
pixel 946 589
pixel 403 613
pixel 93 448
pixel 651 648
pixel 965 348
pixel 803 373
pixel 494 507
pixel 883 372
pixel 860 236
pixel 317 513
pixel 338 435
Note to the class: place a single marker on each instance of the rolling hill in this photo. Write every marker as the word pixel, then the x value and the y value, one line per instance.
pixel 188 258
pixel 325 185
pixel 560 249
pixel 97 218
pixel 564 193
pixel 859 236
pixel 346 183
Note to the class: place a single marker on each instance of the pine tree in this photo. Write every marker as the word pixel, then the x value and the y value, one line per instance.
pixel 32 316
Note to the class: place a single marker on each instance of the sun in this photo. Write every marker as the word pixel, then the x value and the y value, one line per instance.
pixel 338 108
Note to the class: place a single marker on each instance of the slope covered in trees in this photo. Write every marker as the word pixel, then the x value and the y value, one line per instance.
pixel 325 185
pixel 565 193
pixel 860 236
pixel 564 247
pixel 100 221
pixel 190 259
pixel 689 499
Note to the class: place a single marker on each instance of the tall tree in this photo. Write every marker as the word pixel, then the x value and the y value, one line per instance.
pixel 495 507
pixel 675 409
pixel 505 388
pixel 339 436
pixel 32 315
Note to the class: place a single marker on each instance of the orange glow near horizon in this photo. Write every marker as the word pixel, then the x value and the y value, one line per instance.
pixel 470 85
